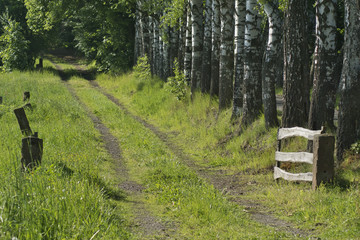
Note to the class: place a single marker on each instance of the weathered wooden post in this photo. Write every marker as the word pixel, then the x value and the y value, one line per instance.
pixel 32 146
pixel 323 163
pixel 23 121
pixel 31 152
pixel 26 96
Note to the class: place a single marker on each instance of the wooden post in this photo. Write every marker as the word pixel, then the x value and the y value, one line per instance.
pixel 23 121
pixel 41 65
pixel 323 165
pixel 31 152
pixel 26 96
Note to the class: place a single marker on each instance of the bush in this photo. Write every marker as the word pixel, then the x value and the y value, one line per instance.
pixel 14 47
pixel 142 68
pixel 177 84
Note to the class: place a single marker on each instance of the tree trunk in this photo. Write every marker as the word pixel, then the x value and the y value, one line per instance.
pixel 271 66
pixel 215 48
pixel 325 74
pixel 240 13
pixel 138 42
pixel 197 38
pixel 145 27
pixel 160 58
pixel 155 46
pixel 252 65
pixel 226 53
pixel 206 64
pixel 173 49
pixel 349 111
pixel 188 50
pixel 166 59
pixel 296 66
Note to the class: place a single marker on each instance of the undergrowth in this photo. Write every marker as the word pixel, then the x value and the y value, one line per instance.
pixel 210 139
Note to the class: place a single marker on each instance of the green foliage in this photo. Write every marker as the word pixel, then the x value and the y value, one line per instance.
pixel 283 5
pixel 174 13
pixel 355 148
pixel 142 69
pixel 14 47
pixel 177 84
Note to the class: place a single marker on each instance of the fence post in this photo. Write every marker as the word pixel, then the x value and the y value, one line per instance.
pixel 323 166
pixel 26 96
pixel 23 121
pixel 31 152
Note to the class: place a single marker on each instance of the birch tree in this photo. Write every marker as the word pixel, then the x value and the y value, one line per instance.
pixel 215 48
pixel 188 50
pixel 197 38
pixel 226 53
pixel 240 13
pixel 296 67
pixel 349 110
pixel 272 67
pixel 325 74
pixel 252 64
pixel 206 61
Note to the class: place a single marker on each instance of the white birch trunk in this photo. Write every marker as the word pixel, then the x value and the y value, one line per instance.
pixel 226 53
pixel 240 13
pixel 271 65
pixel 188 50
pixel 206 62
pixel 252 65
pixel 215 48
pixel 197 38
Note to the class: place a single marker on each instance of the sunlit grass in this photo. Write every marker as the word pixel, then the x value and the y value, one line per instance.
pixel 64 198
pixel 206 135
pixel 200 211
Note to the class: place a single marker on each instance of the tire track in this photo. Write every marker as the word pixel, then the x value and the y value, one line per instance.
pixel 228 184
pixel 148 224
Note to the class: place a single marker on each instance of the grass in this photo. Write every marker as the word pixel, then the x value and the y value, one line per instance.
pixel 64 198
pixel 76 187
pixel 331 212
pixel 199 210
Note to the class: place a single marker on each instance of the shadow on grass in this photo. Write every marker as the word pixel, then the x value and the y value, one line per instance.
pixel 110 193
pixel 66 74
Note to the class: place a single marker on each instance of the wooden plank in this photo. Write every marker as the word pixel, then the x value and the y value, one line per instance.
pixel 279 173
pixel 303 157
pixel 297 132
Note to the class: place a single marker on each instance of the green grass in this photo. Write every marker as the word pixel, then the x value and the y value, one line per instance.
pixel 199 210
pixel 64 198
pixel 331 212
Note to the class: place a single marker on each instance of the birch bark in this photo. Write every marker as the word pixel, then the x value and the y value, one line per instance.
pixel 240 14
pixel 197 39
pixel 206 57
pixel 252 65
pixel 215 48
pixel 349 111
pixel 326 78
pixel 271 67
pixel 226 53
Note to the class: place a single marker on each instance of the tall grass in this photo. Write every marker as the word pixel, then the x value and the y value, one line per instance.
pixel 332 212
pixel 64 198
pixel 199 210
